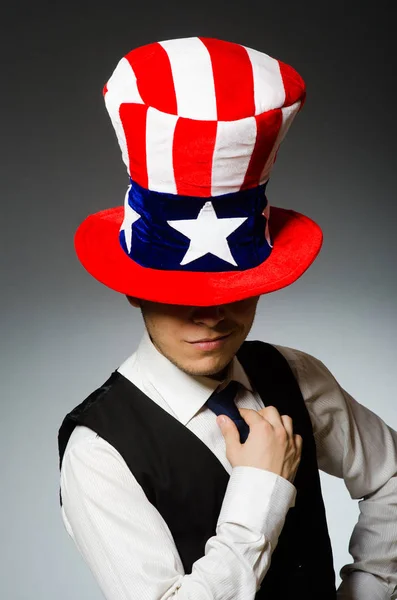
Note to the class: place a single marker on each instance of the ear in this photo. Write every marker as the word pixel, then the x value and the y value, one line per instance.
pixel 135 302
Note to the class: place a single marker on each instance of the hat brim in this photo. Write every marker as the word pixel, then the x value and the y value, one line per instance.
pixel 296 240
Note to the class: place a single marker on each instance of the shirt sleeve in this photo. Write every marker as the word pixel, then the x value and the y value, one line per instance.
pixel 129 547
pixel 355 444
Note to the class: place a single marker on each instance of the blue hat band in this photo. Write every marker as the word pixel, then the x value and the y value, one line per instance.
pixel 186 233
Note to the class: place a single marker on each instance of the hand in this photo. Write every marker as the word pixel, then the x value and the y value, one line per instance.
pixel 271 443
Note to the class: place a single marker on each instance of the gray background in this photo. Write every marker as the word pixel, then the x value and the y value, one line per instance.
pixel 63 332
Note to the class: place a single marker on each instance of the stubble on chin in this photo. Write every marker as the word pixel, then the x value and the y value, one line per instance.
pixel 217 372
pixel 195 367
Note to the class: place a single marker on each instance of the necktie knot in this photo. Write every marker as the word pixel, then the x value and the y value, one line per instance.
pixel 223 403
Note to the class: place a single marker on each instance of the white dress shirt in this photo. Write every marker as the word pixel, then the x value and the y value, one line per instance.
pixel 129 547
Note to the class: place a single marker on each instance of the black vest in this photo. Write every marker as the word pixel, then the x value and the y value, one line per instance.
pixel 188 493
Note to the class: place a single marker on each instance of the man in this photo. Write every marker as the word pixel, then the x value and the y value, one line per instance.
pixel 161 498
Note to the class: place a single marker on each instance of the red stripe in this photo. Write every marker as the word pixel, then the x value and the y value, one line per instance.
pixel 193 149
pixel 295 88
pixel 268 125
pixel 133 119
pixel 105 89
pixel 233 78
pixel 152 69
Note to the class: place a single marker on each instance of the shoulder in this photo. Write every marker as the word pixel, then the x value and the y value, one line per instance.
pixel 296 358
pixel 85 450
pixel 302 363
pixel 80 436
pixel 92 468
pixel 80 439
pixel 313 376
pixel 307 368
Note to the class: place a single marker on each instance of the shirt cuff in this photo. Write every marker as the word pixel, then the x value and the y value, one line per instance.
pixel 257 499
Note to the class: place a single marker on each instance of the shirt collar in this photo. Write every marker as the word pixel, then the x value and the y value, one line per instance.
pixel 185 394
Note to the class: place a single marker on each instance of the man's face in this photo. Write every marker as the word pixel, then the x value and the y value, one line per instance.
pixel 186 334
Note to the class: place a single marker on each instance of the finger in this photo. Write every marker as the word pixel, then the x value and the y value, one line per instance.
pixel 250 416
pixel 288 425
pixel 229 430
pixel 271 414
pixel 298 442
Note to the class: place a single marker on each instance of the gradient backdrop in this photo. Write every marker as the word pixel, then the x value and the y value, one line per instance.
pixel 63 332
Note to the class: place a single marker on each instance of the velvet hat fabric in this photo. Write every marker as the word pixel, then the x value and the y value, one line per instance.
pixel 199 122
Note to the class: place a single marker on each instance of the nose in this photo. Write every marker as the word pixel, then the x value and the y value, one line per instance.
pixel 208 315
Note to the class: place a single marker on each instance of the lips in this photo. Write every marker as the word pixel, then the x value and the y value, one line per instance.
pixel 220 337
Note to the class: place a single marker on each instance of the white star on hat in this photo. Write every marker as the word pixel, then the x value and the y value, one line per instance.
pixel 208 234
pixel 130 216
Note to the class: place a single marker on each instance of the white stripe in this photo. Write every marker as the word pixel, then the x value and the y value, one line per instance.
pixel 160 128
pixel 235 141
pixel 269 89
pixel 122 87
pixel 288 113
pixel 193 78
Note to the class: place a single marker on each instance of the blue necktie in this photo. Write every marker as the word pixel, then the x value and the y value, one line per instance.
pixel 222 403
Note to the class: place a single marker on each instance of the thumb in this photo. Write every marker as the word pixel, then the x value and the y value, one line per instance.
pixel 229 429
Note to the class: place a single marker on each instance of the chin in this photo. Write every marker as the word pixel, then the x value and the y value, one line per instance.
pixel 206 366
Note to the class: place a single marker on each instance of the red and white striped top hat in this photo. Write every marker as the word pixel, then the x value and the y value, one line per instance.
pixel 199 122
